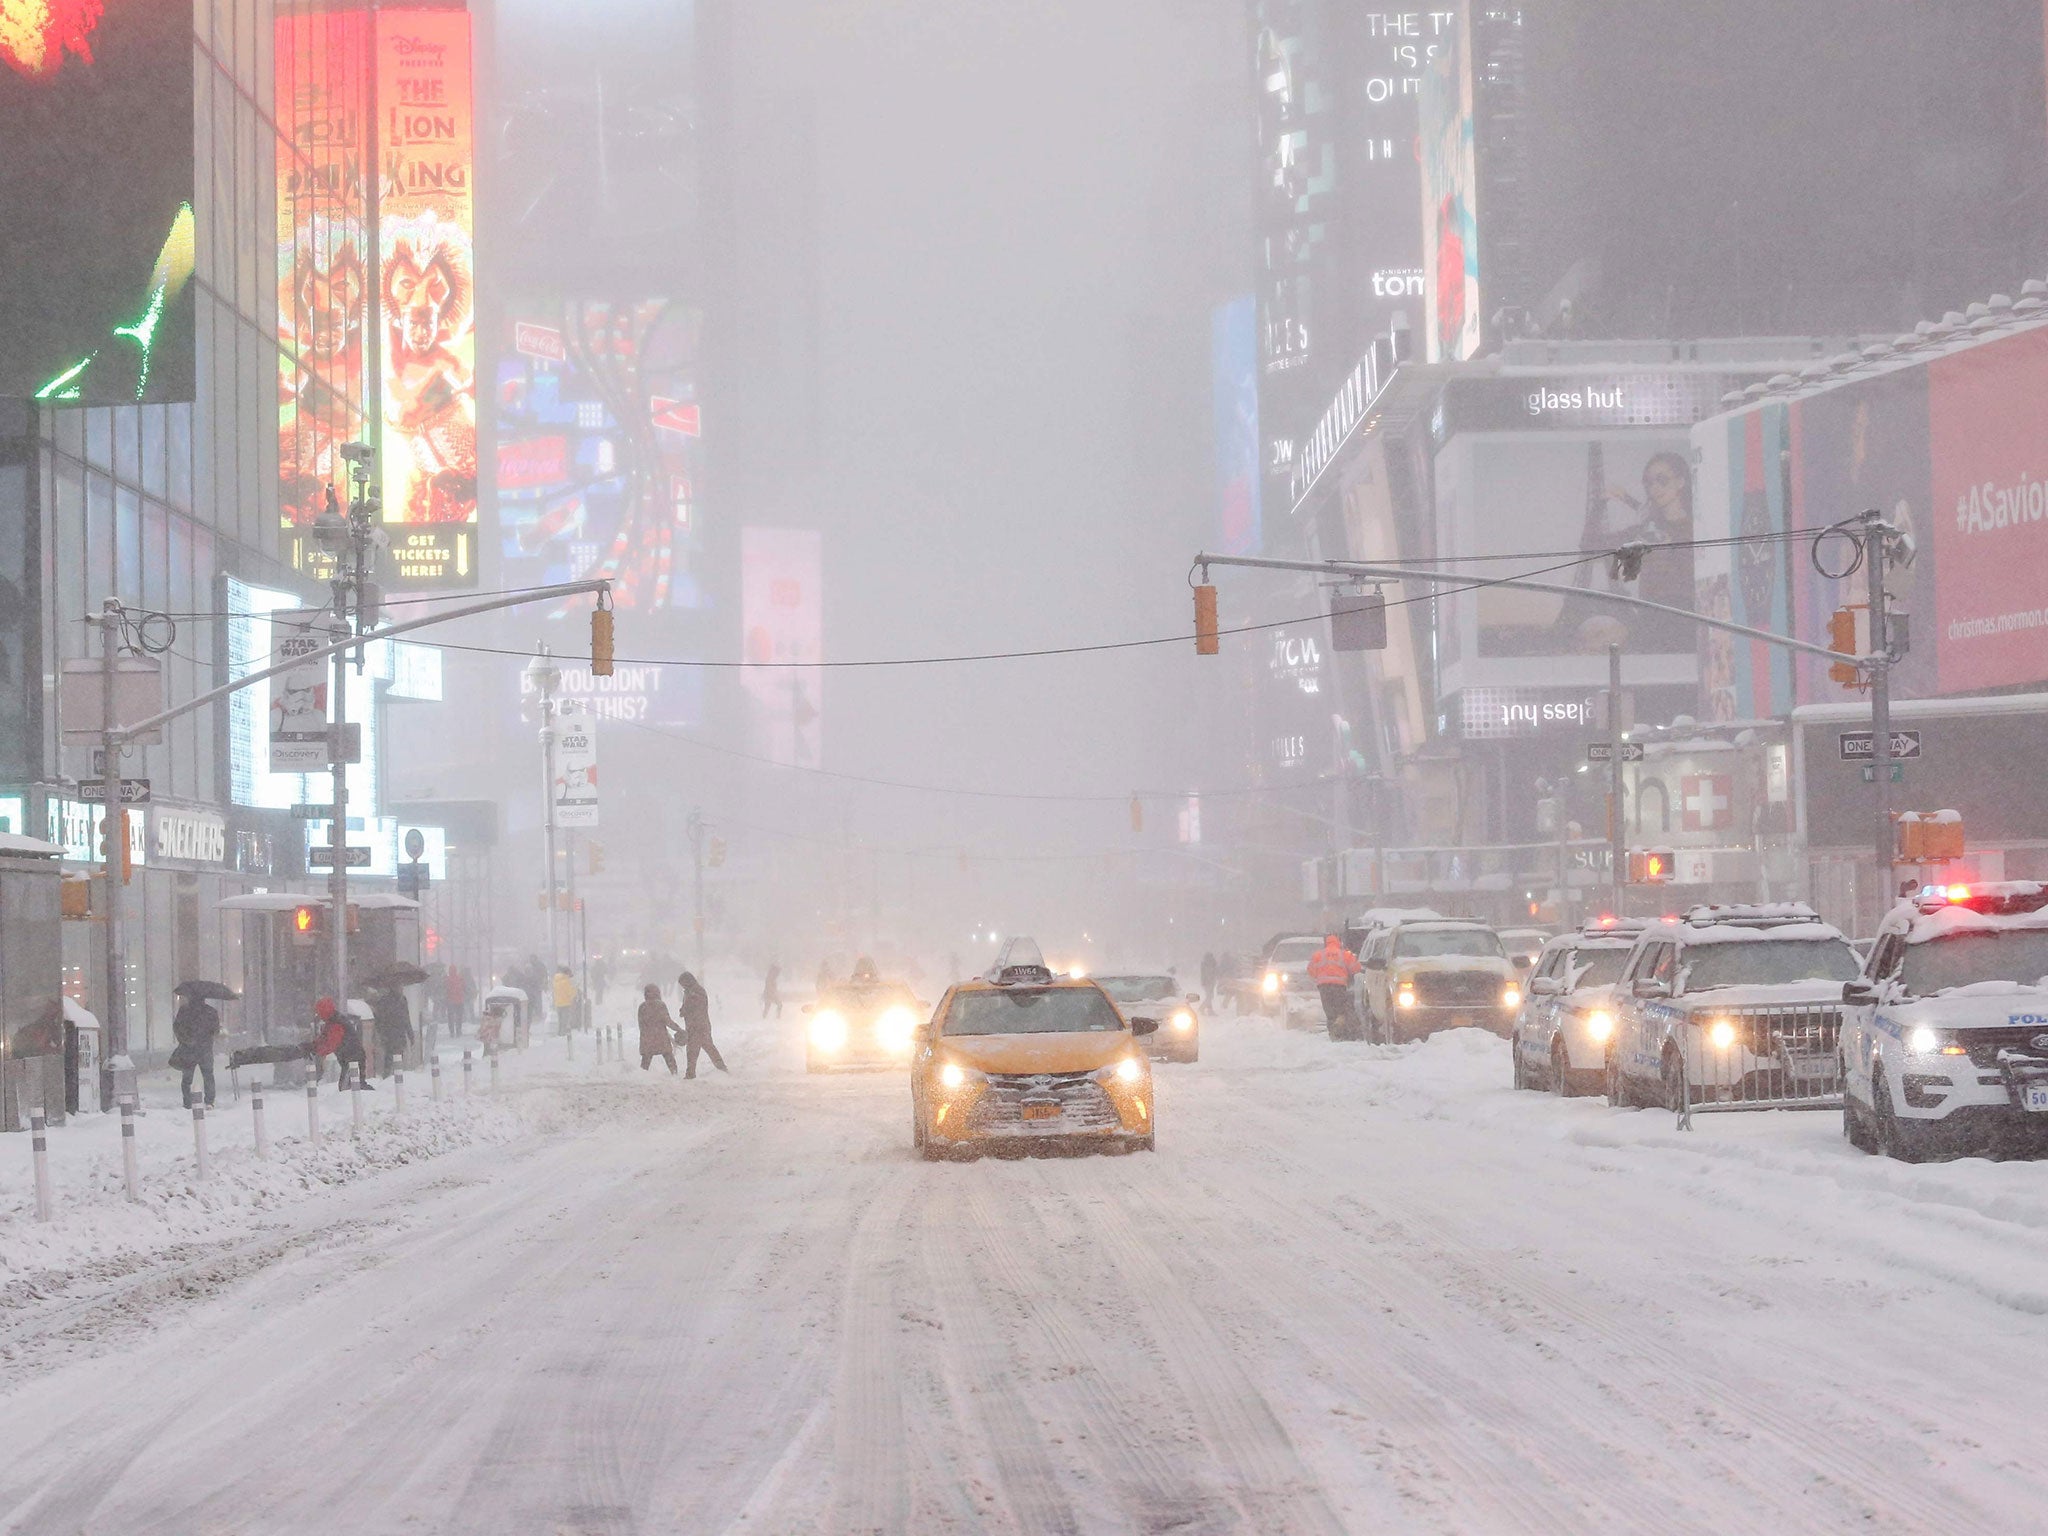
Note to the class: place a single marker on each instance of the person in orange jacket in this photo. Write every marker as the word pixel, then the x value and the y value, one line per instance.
pixel 337 1034
pixel 1331 969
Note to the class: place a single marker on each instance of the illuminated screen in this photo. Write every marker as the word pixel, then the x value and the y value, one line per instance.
pixel 782 623
pixel 96 228
pixel 427 453
pixel 1450 230
pixel 599 442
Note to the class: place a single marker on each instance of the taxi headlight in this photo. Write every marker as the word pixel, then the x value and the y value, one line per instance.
pixel 1511 996
pixel 1129 1070
pixel 1183 1021
pixel 1271 983
pixel 1721 1033
pixel 953 1075
pixel 828 1029
pixel 1405 998
pixel 1599 1025
pixel 896 1028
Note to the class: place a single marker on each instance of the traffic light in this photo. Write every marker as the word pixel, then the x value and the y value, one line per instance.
pixel 600 642
pixel 594 852
pixel 1842 638
pixel 1650 866
pixel 715 856
pixel 1205 620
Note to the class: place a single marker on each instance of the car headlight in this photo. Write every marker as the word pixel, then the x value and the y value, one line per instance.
pixel 1511 996
pixel 896 1028
pixel 952 1075
pixel 1721 1033
pixel 1405 998
pixel 1599 1025
pixel 1271 983
pixel 1129 1070
pixel 828 1029
pixel 1922 1041
pixel 1182 1020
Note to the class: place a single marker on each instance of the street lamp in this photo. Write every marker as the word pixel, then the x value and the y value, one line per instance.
pixel 347 540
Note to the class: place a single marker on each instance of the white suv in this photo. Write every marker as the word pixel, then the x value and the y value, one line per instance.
pixel 1945 1038
pixel 1560 1036
pixel 1731 1007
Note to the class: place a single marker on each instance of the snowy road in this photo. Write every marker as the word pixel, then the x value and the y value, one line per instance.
pixel 1351 1292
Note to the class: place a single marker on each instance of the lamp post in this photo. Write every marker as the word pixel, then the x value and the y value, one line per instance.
pixel 545 677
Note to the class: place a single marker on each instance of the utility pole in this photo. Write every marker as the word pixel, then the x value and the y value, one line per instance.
pixel 546 676
pixel 1618 876
pixel 347 539
pixel 115 826
pixel 1877 535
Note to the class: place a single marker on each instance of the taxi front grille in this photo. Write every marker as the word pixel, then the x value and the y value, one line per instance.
pixel 1082 1103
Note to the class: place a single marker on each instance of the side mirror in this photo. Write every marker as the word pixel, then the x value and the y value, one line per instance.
pixel 1144 1026
pixel 1651 986
pixel 1544 986
pixel 1859 992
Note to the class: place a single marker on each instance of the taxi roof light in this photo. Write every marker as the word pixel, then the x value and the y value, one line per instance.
pixel 1020 962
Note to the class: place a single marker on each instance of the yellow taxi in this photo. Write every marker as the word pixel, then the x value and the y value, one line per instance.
pixel 1021 1056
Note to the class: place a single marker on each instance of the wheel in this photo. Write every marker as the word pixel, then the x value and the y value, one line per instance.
pixel 1672 1076
pixel 1619 1095
pixel 1145 1142
pixel 1895 1139
pixel 1560 1071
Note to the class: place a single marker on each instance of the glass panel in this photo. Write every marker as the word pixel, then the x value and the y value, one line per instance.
pixel 178 455
pixel 209 725
pixel 128 444
pixel 99 540
pixel 99 438
pixel 128 535
pixel 156 558
pixel 68 599
pixel 153 480
pixel 70 431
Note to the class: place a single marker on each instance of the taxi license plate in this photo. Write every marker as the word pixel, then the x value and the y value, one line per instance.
pixel 2034 1096
pixel 1052 1111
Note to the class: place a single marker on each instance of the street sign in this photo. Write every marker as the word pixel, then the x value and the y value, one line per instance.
pixel 1898 774
pixel 313 812
pixel 415 844
pixel 1603 751
pixel 323 858
pixel 1860 746
pixel 133 791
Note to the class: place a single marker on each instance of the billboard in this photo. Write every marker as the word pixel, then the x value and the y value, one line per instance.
pixel 1505 494
pixel 575 787
pixel 1386 53
pixel 323 257
pixel 783 640
pixel 1453 318
pixel 96 227
pixel 1234 360
pixel 600 441
pixel 427 450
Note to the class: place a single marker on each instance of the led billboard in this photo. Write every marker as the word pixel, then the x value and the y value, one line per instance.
pixel 427 454
pixel 323 257
pixel 97 241
pixel 1234 359
pixel 600 439
pixel 1450 175
pixel 783 640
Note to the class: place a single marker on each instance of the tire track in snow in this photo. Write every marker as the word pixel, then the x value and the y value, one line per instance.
pixel 871 1489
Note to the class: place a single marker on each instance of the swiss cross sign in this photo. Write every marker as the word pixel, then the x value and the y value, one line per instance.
pixel 1709 801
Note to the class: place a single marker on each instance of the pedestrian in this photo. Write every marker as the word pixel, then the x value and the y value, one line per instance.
pixel 393 1018
pixel 565 1000
pixel 771 989
pixel 196 1026
pixel 336 1034
pixel 1208 979
pixel 600 979
pixel 1331 969
pixel 696 1010
pixel 457 988
pixel 658 1032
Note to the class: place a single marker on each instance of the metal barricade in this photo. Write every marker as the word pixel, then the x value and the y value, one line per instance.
pixel 1761 1056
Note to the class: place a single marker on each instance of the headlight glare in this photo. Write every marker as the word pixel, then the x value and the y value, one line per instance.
pixel 1129 1070
pixel 1922 1041
pixel 1722 1033
pixel 896 1028
pixel 1405 998
pixel 1599 1025
pixel 1271 983
pixel 828 1029
pixel 953 1075
pixel 1511 996
pixel 1183 1021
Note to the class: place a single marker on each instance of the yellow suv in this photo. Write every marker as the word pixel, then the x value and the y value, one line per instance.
pixel 1021 1057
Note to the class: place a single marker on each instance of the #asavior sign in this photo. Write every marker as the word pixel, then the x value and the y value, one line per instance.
pixel 298 698
pixel 575 786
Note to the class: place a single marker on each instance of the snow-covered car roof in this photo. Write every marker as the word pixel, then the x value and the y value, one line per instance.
pixel 2016 904
pixel 1762 922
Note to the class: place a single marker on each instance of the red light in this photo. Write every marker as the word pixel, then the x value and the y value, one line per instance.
pixel 1656 865
pixel 1957 893
pixel 1606 919
pixel 302 919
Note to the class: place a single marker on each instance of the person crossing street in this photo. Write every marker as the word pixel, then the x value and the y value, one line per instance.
pixel 1331 969
pixel 658 1033
pixel 696 1011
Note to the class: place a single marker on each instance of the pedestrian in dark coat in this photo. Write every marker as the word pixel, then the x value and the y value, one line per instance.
pixel 196 1027
pixel 658 1032
pixel 394 1028
pixel 696 1009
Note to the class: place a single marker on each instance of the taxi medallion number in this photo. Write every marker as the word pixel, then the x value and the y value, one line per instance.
pixel 1052 1111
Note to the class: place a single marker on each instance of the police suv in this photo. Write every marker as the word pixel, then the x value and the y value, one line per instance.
pixel 1731 1006
pixel 1560 1036
pixel 1945 1039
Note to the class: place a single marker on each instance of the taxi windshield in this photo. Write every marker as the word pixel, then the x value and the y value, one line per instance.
pixel 1769 962
pixel 1418 943
pixel 1597 967
pixel 1136 989
pixel 1958 959
pixel 1031 1011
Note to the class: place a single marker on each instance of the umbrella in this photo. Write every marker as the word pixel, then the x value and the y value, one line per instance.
pixel 400 973
pixel 213 991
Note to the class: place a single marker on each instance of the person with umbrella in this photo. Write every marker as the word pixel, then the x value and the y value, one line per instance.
pixel 196 1027
pixel 392 1014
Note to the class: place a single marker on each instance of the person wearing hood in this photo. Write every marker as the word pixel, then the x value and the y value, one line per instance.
pixel 393 1019
pixel 336 1034
pixel 196 1027
pixel 1331 969
pixel 658 1032
pixel 696 1011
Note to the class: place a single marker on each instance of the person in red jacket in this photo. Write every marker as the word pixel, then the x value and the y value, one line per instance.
pixel 336 1034
pixel 1331 969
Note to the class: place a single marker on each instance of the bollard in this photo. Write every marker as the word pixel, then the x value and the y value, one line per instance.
pixel 465 1071
pixel 199 1158
pixel 131 1165
pixel 436 1075
pixel 570 1037
pixel 256 1115
pixel 398 1093
pixel 494 1074
pixel 41 1149
pixel 313 1112
pixel 355 1108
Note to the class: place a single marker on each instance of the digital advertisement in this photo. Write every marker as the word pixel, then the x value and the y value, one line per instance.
pixel 783 639
pixel 1450 175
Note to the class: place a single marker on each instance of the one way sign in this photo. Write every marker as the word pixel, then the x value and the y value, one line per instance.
pixel 1859 746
